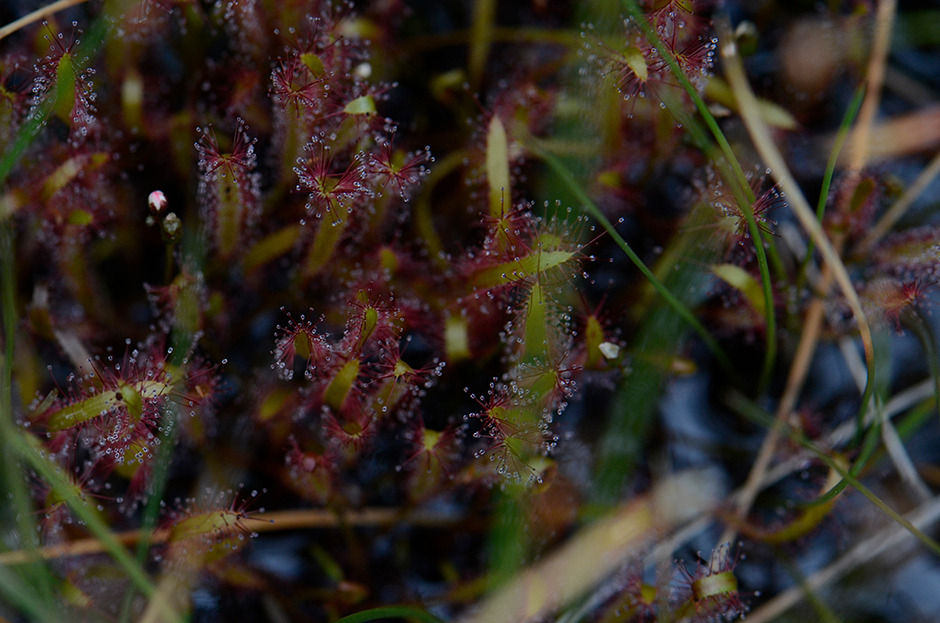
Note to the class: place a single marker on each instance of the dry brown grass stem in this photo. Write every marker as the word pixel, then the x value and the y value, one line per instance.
pixel 37 15
pixel 833 270
pixel 301 519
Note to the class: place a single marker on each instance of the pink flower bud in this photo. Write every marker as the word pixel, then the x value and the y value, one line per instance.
pixel 157 202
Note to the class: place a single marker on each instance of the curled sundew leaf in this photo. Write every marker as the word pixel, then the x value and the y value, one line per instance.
pixel 804 523
pixel 713 588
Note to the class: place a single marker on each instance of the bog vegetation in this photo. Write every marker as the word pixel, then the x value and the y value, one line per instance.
pixel 483 311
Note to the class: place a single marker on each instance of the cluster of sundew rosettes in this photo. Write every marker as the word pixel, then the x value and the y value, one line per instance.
pixel 328 131
pixel 522 276
pixel 110 421
pixel 353 384
pixel 637 66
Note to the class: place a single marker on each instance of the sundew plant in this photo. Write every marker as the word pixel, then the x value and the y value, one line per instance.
pixel 471 311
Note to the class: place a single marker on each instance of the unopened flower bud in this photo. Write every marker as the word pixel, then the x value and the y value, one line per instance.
pixel 157 202
pixel 172 228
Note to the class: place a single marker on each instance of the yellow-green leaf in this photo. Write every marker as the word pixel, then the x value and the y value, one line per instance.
pixel 65 81
pixel 717 90
pixel 737 277
pixel 127 395
pixel 521 269
pixel 635 60
pixel 341 385
pixel 497 167
pixel 364 105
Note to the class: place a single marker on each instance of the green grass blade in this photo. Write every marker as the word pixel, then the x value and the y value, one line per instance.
pixel 27 449
pixel 36 574
pixel 841 136
pixel 409 613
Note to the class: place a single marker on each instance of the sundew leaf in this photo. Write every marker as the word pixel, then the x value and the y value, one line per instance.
pixel 230 215
pixel 634 59
pixel 519 270
pixel 127 395
pixel 66 79
pixel 775 115
pixel 313 62
pixel 740 279
pixel 364 105
pixel 272 246
pixel 806 521
pixel 341 385
pixel 497 166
